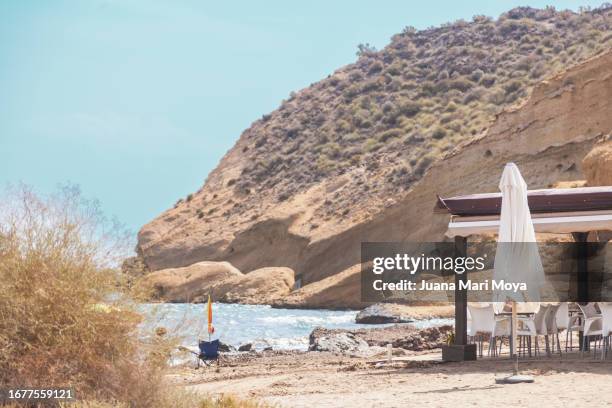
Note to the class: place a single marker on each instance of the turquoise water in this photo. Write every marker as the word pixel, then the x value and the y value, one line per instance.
pixel 260 325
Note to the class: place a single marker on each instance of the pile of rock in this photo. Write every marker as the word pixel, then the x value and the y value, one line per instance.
pixel 373 341
pixel 426 339
pixel 337 341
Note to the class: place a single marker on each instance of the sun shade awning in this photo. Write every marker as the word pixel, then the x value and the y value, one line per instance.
pixel 540 201
pixel 555 223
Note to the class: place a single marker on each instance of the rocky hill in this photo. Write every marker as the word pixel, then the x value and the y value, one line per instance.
pixel 361 154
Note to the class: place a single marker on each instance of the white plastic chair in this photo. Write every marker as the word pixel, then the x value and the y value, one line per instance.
pixel 484 321
pixel 568 323
pixel 532 327
pixel 589 310
pixel 551 327
pixel 591 324
pixel 606 326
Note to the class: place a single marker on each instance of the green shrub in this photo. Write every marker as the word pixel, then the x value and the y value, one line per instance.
pixel 375 67
pixel 365 50
pixel 451 107
pixel 488 80
pixel 423 164
pixel 409 108
pixel 439 133
pixel 389 134
pixel 371 145
pixel 512 86
pixel 460 84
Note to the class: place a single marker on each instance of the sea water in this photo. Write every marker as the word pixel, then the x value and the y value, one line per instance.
pixel 260 325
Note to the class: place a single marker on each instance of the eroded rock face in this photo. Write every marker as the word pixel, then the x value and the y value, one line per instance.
pixel 191 283
pixel 261 286
pixel 222 281
pixel 339 291
pixel 548 137
pixel 597 165
pixel 328 169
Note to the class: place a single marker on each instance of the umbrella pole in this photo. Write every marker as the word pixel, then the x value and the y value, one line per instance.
pixel 513 353
pixel 515 378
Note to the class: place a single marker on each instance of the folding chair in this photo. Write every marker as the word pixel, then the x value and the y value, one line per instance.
pixel 209 352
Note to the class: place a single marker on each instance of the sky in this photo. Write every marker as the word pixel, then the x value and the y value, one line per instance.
pixel 136 101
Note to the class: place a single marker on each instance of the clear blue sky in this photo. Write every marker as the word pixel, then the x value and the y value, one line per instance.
pixel 137 100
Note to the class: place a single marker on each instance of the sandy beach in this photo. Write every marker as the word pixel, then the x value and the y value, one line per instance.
pixel 326 380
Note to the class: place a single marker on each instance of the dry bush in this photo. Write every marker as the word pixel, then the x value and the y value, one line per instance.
pixel 65 320
pixel 175 399
pixel 183 399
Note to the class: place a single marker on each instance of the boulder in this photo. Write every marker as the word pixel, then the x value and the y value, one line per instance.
pixel 226 348
pixel 245 347
pixel 222 281
pixel 261 286
pixel 190 283
pixel 337 341
pixel 597 165
pixel 381 313
pixel 397 313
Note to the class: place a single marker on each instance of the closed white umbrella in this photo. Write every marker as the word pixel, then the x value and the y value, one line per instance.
pixel 517 259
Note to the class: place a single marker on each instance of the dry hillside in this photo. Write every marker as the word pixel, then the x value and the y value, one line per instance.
pixel 357 155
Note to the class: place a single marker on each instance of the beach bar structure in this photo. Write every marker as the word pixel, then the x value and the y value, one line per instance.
pixel 575 211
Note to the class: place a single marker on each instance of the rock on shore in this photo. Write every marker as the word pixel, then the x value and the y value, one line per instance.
pixel 261 286
pixel 222 281
pixel 189 283
pixel 381 313
pixel 372 341
pixel 337 341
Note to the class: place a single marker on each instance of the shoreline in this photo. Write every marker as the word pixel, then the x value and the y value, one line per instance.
pixel 432 311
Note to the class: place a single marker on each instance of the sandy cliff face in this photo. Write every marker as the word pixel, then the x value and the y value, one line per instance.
pixel 548 137
pixel 346 159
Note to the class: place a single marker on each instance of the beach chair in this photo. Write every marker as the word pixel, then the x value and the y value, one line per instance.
pixel 209 352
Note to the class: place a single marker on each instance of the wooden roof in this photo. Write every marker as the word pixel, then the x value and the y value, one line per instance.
pixel 540 201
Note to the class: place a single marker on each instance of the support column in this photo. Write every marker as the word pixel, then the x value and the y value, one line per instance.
pixel 460 296
pixel 460 350
pixel 582 272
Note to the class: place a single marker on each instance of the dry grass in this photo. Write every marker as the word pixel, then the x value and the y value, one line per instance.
pixel 66 319
pixel 174 399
